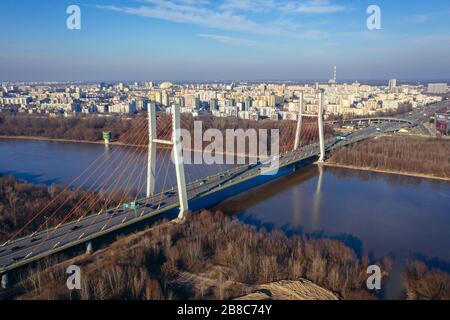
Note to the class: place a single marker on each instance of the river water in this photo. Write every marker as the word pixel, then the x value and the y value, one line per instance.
pixel 374 213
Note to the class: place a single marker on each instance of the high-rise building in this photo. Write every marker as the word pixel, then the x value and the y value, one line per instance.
pixel 248 103
pixel 165 99
pixel 180 101
pixel 240 106
pixel 271 101
pixel 158 97
pixel 120 86
pixel 437 88
pixel 130 107
pixel 213 104
pixel 192 101
pixel 334 79
pixel 392 84
pixel 141 104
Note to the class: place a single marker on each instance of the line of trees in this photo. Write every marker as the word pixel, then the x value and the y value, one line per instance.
pixel 90 128
pixel 425 283
pixel 73 128
pixel 415 155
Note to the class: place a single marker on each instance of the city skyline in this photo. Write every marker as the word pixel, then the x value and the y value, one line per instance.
pixel 185 40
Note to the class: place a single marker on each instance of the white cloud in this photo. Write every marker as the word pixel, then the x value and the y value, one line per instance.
pixel 306 6
pixel 179 5
pixel 249 5
pixel 225 17
pixel 231 40
pixel 315 7
pixel 224 20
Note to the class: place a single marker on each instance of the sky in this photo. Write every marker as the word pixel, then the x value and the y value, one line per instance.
pixel 212 40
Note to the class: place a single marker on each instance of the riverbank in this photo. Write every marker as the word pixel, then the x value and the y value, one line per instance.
pixel 36 138
pixel 408 174
pixel 403 155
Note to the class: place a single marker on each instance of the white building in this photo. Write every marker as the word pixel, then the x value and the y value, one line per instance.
pixel 392 84
pixel 437 88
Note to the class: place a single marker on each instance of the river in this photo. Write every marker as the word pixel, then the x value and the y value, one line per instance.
pixel 375 213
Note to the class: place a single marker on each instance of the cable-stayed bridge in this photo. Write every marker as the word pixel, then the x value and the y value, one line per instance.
pixel 120 186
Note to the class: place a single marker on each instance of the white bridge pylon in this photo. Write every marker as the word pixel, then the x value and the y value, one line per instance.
pixel 177 156
pixel 151 159
pixel 320 124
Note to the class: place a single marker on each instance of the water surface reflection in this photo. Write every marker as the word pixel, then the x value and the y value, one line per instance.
pixel 375 214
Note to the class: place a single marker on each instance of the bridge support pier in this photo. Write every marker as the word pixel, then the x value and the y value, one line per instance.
pixel 178 160
pixel 321 128
pixel 298 132
pixel 5 281
pixel 151 157
pixel 89 248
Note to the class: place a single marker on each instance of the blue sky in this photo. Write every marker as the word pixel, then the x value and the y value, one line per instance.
pixel 223 40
